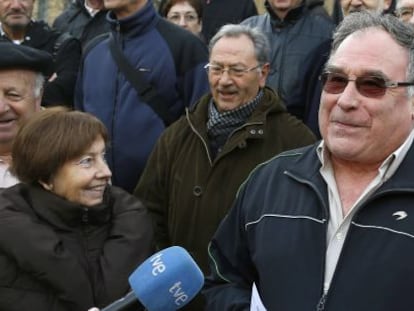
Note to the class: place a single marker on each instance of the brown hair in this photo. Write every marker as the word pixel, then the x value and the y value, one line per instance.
pixel 196 4
pixel 50 138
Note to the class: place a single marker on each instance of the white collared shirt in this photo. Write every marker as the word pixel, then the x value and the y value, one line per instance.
pixel 338 225
pixel 92 12
pixel 6 177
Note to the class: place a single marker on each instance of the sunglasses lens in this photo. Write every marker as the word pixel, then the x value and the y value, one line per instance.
pixel 371 86
pixel 333 83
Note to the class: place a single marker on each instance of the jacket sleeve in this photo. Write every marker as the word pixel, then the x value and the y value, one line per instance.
pixel 152 189
pixel 60 91
pixel 129 243
pixel 37 250
pixel 232 272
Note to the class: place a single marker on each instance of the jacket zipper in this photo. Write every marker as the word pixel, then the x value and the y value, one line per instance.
pixel 322 300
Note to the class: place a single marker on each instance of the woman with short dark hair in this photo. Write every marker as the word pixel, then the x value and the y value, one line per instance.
pixel 68 239
pixel 185 13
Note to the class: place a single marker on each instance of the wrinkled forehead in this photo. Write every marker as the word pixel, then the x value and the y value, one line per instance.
pixel 371 49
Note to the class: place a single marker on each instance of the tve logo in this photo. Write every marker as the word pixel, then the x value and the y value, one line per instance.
pixel 157 264
pixel 178 293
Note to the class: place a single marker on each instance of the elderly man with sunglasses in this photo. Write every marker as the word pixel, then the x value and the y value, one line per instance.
pixel 199 162
pixel 331 226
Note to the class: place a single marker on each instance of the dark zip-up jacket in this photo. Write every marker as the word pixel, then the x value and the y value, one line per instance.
pixel 79 23
pixel 56 255
pixel 188 192
pixel 217 13
pixel 275 235
pixel 66 52
pixel 171 58
pixel 300 46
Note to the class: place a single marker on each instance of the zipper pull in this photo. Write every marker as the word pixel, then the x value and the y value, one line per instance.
pixel 321 303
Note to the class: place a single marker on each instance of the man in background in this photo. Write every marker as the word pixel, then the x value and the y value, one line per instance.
pixel 300 34
pixel 199 162
pixel 83 19
pixel 166 58
pixel 22 71
pixel 405 10
pixel 18 27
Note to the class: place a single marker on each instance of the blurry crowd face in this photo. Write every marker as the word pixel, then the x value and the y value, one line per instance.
pixel 124 8
pixel 17 102
pixel 84 179
pixel 282 7
pixel 95 4
pixel 405 9
pixel 349 6
pixel 355 119
pixel 234 73
pixel 15 14
pixel 184 15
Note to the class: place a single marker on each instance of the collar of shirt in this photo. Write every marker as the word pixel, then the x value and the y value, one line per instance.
pixel 92 12
pixel 2 33
pixel 6 177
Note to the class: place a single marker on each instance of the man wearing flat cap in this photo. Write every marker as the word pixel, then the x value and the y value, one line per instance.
pixel 22 71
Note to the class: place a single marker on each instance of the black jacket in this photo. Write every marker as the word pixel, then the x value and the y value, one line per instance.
pixel 275 235
pixel 66 53
pixel 79 23
pixel 59 256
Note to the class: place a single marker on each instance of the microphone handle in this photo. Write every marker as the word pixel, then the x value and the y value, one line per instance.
pixel 120 304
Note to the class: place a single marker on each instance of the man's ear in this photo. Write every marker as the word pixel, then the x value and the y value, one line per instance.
pixel 387 4
pixel 264 72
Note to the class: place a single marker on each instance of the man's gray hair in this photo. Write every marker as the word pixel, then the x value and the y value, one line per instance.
pixel 260 41
pixel 38 85
pixel 402 33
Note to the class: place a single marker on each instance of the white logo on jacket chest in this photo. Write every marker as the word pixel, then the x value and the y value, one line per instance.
pixel 400 215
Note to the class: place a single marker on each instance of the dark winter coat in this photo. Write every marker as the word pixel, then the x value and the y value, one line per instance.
pixel 300 46
pixel 59 256
pixel 79 23
pixel 275 235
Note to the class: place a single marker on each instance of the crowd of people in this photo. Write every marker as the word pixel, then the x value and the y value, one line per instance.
pixel 275 148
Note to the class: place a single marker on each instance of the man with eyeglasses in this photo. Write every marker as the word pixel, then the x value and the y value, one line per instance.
pixel 404 10
pixel 331 226
pixel 199 162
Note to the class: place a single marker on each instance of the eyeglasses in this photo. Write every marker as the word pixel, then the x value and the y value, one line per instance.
pixel 368 86
pixel 233 71
pixel 404 13
pixel 188 18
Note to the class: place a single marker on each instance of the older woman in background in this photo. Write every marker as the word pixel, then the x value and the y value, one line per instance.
pixel 68 240
pixel 185 13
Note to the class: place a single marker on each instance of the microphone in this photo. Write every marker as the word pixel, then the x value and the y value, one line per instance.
pixel 166 281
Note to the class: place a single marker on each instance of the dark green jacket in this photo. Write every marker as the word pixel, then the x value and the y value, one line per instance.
pixel 188 193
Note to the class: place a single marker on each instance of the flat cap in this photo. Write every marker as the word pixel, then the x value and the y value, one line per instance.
pixel 24 57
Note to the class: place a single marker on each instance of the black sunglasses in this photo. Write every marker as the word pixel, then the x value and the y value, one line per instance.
pixel 368 86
